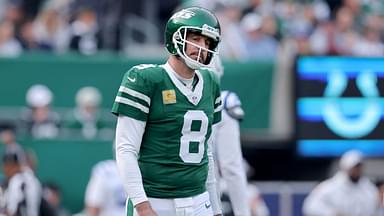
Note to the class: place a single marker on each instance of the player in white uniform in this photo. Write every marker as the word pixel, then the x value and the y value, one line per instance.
pixel 227 152
pixel 347 193
pixel 105 194
pixel 230 169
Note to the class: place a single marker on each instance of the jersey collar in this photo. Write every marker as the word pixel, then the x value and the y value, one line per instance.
pixel 193 96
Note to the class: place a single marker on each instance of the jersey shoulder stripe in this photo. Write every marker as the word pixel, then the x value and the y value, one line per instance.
pixel 218 104
pixel 132 103
pixel 133 98
pixel 136 94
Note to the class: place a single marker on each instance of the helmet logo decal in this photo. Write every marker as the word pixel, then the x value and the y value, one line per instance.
pixel 183 14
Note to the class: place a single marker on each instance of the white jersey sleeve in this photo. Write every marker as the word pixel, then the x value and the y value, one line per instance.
pixel 129 133
pixel 229 157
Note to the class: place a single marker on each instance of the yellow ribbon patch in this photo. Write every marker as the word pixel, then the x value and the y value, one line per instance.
pixel 169 96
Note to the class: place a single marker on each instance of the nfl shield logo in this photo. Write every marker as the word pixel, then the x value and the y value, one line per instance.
pixel 194 98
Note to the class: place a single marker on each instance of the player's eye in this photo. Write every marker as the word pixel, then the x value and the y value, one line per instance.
pixel 207 42
pixel 196 38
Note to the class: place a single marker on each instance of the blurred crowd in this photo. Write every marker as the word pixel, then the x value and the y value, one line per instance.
pixel 39 119
pixel 60 26
pixel 21 191
pixel 251 29
pixel 256 29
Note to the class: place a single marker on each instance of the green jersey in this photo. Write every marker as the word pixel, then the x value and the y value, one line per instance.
pixel 173 154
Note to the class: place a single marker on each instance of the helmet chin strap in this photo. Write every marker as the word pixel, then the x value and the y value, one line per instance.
pixel 191 64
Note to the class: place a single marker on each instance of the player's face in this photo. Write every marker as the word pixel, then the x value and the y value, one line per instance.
pixel 9 169
pixel 193 49
pixel 356 172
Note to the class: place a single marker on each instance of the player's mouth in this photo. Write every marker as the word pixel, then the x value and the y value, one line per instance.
pixel 195 56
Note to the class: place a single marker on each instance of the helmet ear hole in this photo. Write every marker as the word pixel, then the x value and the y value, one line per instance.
pixel 177 39
pixel 177 36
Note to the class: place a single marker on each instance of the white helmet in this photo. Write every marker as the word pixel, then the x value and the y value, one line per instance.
pixel 88 96
pixel 39 96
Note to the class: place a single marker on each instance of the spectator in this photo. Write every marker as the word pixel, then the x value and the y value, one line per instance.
pixel 232 45
pixel 370 43
pixel 109 18
pixel 13 12
pixel 9 46
pixel 51 30
pixel 38 119
pixel 85 36
pixel 27 37
pixel 28 8
pixel 7 137
pixel 269 26
pixel 347 193
pixel 258 6
pixel 336 38
pixel 258 44
pixel 322 40
pixel 87 117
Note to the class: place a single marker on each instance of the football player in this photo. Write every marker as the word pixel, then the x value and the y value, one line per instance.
pixel 165 117
pixel 230 170
pixel 105 194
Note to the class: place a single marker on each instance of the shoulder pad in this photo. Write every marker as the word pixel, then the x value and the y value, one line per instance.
pixel 144 72
pixel 232 105
pixel 144 66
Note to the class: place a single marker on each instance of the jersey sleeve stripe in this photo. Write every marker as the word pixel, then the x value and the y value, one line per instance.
pixel 219 108
pixel 135 94
pixel 218 100
pixel 132 103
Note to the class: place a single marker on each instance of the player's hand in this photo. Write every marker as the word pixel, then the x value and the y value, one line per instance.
pixel 145 209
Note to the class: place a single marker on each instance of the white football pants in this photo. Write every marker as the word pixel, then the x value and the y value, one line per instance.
pixel 198 205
